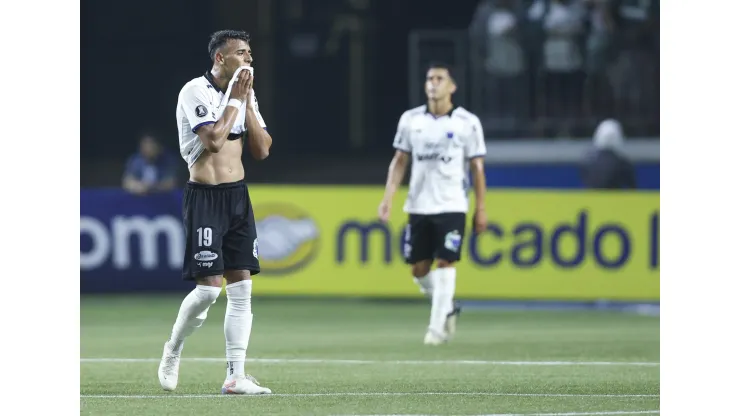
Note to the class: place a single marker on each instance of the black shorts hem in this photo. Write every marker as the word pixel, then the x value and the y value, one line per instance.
pixel 451 259
pixel 202 274
pixel 411 262
pixel 253 269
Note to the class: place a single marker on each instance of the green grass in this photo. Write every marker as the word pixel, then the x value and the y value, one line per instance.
pixel 387 338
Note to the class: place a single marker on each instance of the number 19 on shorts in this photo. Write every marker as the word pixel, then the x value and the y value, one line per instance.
pixel 205 236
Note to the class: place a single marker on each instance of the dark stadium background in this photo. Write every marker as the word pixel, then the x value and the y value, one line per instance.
pixel 148 50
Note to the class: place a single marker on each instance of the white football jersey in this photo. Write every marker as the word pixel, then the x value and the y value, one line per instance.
pixel 440 150
pixel 201 102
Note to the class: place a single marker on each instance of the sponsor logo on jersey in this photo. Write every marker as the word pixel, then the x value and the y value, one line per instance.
pixel 205 255
pixel 431 157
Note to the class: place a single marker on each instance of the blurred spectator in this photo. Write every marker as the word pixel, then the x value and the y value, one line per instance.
pixel 600 52
pixel 496 28
pixel 600 39
pixel 562 60
pixel 634 76
pixel 606 166
pixel 637 21
pixel 150 170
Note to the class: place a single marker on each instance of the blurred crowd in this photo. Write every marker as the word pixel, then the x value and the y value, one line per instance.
pixel 152 169
pixel 556 68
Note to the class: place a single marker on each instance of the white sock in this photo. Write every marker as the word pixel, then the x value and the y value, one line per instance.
pixel 425 284
pixel 237 326
pixel 192 314
pixel 443 280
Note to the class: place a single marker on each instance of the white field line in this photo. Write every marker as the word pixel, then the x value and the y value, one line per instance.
pixel 206 396
pixel 391 362
pixel 616 412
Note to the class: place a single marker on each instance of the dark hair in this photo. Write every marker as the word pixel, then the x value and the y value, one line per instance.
pixel 219 39
pixel 441 65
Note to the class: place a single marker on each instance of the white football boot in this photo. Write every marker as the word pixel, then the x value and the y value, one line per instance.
pixel 169 368
pixel 432 338
pixel 245 384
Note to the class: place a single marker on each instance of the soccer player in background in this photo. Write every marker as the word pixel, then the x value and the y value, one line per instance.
pixel 444 143
pixel 220 233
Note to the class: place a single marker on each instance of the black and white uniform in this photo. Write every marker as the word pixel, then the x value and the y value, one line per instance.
pixel 220 233
pixel 440 150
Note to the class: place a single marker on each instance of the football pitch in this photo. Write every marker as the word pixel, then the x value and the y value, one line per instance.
pixel 351 357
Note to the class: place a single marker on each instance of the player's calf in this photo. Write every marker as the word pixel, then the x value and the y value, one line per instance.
pixel 237 325
pixel 451 321
pixel 443 281
pixel 237 329
pixel 422 276
pixel 193 312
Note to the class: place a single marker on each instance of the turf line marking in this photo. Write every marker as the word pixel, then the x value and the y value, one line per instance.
pixel 392 362
pixel 616 412
pixel 204 396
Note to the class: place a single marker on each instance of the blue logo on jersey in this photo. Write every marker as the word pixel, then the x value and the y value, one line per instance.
pixel 450 134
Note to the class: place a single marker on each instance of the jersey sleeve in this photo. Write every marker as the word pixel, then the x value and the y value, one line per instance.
pixel 476 143
pixel 402 141
pixel 198 107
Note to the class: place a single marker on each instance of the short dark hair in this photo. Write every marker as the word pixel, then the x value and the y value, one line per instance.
pixel 219 39
pixel 441 65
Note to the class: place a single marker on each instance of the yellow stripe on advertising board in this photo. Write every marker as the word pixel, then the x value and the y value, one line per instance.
pixel 563 245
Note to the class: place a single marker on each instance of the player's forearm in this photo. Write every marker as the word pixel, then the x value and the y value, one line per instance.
pixel 214 141
pixel 396 172
pixel 259 139
pixel 479 186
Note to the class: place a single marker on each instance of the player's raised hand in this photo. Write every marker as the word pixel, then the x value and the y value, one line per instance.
pixel 384 211
pixel 242 86
pixel 250 94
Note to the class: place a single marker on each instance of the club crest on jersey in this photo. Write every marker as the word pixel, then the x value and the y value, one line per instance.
pixel 450 134
pixel 201 111
pixel 453 240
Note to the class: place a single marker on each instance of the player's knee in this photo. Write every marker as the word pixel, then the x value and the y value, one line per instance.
pixel 212 281
pixel 441 263
pixel 207 293
pixel 233 276
pixel 420 269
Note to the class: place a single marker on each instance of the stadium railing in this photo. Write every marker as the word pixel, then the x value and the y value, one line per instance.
pixel 535 104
